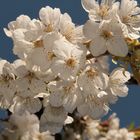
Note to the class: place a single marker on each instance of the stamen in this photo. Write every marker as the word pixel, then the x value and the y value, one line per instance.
pixel 38 43
pixel 68 33
pixel 103 11
pixel 106 34
pixel 91 73
pixel 49 28
pixel 71 62
pixel 50 55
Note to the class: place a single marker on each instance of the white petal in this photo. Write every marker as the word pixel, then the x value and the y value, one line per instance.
pixel 50 16
pixel 55 99
pixel 120 75
pixel 53 119
pixel 23 21
pixel 120 90
pixel 101 81
pixel 31 105
pixel 37 58
pixel 8 32
pixel 62 48
pixel 37 86
pixel 50 126
pixel 69 120
pixel 91 29
pixel 98 46
pixel 70 103
pixel 42 95
pixel 117 46
pixel 97 111
pixel 83 109
pixel 49 39
pixel 22 84
pixel 88 4
pixel 55 114
pixel 20 68
pixel 102 94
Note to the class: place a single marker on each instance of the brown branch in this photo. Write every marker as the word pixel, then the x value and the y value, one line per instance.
pixel 90 56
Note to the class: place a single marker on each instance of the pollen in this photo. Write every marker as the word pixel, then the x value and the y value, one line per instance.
pixel 30 76
pixel 71 62
pixel 103 11
pixel 106 34
pixel 91 73
pixel 68 33
pixel 49 28
pixel 129 19
pixel 68 36
pixel 40 137
pixel 50 55
pixel 38 43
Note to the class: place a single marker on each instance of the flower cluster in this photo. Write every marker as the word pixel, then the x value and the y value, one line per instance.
pixel 108 130
pixel 55 73
pixel 110 23
pixel 27 129
pixel 91 92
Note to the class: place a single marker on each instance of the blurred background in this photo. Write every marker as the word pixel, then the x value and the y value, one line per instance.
pixel 127 109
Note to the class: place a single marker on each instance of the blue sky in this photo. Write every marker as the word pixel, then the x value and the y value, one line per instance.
pixel 126 108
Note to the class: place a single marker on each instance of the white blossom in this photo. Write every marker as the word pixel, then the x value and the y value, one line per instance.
pixel 95 130
pixel 70 31
pixel 99 11
pixel 129 16
pixel 27 129
pixel 20 23
pixel 69 59
pixel 31 121
pixel 7 84
pixel 50 18
pixel 117 81
pixel 106 36
pixel 93 84
pixel 53 118
pixel 27 37
pixel 121 134
pixel 27 88
pixel 64 93
pixel 32 105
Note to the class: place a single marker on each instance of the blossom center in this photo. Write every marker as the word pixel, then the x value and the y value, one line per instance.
pixel 103 11
pixel 129 19
pixel 106 34
pixel 50 55
pixel 39 137
pixel 125 19
pixel 68 33
pixel 71 62
pixel 91 73
pixel 38 43
pixel 49 28
pixel 30 76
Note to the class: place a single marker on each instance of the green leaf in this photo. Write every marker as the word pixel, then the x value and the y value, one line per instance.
pixel 131 126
